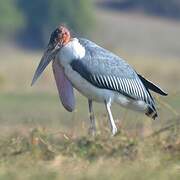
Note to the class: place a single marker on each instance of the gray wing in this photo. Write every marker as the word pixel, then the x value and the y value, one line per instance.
pixel 105 70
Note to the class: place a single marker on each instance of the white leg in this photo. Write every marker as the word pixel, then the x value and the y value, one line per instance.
pixel 92 129
pixel 111 120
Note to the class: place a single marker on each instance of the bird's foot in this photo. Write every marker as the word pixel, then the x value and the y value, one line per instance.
pixel 114 130
pixel 92 131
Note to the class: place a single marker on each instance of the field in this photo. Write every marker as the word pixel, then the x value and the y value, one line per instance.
pixel 40 140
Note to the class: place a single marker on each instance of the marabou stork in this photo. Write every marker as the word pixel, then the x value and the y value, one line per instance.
pixel 96 73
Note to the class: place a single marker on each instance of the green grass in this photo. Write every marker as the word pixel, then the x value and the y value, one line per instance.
pixel 43 155
pixel 39 140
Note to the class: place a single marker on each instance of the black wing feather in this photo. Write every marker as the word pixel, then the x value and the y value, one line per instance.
pixel 151 86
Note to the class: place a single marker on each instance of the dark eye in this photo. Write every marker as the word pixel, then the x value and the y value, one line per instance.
pixel 57 31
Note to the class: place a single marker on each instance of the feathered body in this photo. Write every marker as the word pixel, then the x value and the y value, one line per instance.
pixel 102 76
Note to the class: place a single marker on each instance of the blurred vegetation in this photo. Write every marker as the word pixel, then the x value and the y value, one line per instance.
pixel 42 16
pixel 165 8
pixel 34 20
pixel 160 7
pixel 11 19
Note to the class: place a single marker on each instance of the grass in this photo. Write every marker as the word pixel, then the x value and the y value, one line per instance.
pixel 39 140
pixel 43 155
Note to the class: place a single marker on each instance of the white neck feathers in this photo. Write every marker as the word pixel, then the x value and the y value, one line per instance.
pixel 78 49
pixel 72 50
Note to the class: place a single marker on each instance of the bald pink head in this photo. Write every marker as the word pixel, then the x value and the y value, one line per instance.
pixel 60 35
pixel 59 38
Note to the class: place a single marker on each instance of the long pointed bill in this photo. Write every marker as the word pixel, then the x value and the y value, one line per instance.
pixel 64 87
pixel 48 55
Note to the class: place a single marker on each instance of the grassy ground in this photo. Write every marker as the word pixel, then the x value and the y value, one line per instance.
pixel 40 140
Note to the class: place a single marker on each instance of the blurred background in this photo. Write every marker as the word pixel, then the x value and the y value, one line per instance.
pixel 145 33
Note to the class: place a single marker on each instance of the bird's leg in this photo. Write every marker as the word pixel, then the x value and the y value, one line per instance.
pixel 92 129
pixel 111 120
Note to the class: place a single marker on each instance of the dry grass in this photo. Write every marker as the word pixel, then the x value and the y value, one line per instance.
pixel 41 154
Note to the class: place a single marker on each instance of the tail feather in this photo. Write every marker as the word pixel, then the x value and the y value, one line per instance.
pixel 151 112
pixel 149 85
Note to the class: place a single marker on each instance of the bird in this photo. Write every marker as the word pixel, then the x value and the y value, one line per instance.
pixel 98 74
